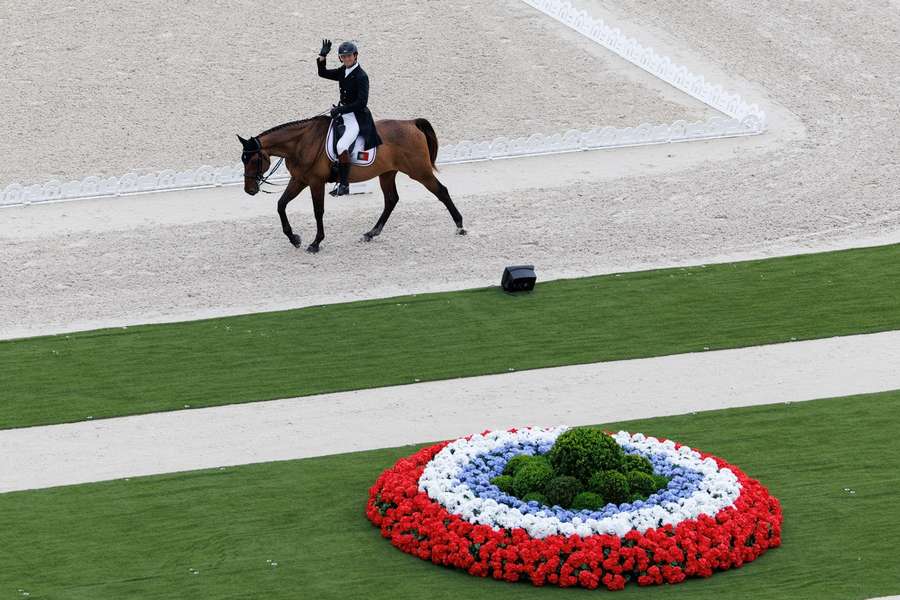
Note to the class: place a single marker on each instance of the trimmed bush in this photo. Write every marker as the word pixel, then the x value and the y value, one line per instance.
pixel 562 490
pixel 641 483
pixel 612 485
pixel 635 462
pixel 661 482
pixel 536 497
pixel 588 501
pixel 532 477
pixel 541 458
pixel 505 483
pixel 515 463
pixel 582 451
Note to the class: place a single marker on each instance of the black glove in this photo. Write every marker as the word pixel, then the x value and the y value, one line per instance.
pixel 335 111
pixel 326 48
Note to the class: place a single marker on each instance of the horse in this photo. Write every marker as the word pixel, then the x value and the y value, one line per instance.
pixel 409 146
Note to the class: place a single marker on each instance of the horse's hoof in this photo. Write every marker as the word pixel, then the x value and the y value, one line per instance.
pixel 461 231
pixel 295 240
pixel 312 248
pixel 366 237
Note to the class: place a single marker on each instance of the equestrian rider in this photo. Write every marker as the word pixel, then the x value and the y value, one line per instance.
pixel 354 85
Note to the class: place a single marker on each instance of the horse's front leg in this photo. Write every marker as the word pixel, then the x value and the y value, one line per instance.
pixel 317 191
pixel 293 189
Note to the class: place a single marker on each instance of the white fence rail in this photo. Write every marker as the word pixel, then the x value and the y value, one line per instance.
pixel 649 60
pixel 742 119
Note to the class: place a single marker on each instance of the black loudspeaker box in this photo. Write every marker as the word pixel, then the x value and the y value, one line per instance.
pixel 518 279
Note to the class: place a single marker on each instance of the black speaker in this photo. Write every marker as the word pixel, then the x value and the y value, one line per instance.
pixel 518 279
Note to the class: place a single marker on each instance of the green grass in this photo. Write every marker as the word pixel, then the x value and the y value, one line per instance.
pixel 153 368
pixel 140 538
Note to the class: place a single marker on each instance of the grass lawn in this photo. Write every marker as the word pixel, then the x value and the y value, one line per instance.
pixel 262 356
pixel 146 537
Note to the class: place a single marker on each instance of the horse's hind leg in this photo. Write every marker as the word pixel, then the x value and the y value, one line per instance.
pixel 389 189
pixel 438 189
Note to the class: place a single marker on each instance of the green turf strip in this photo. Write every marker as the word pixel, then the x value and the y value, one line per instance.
pixel 401 340
pixel 141 538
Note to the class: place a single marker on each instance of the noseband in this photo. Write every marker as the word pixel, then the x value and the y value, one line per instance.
pixel 259 177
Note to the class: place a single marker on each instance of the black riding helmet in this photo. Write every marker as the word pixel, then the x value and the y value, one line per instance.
pixel 347 48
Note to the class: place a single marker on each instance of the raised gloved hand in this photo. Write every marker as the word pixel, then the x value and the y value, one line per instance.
pixel 326 48
pixel 335 111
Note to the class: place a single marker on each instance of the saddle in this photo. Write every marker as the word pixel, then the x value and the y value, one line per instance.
pixel 359 155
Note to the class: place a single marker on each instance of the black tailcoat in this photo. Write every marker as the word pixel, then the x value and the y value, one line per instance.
pixel 354 97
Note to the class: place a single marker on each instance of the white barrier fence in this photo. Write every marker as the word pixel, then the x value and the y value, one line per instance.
pixel 647 59
pixel 742 119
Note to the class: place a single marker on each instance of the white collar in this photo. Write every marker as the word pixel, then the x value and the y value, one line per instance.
pixel 350 70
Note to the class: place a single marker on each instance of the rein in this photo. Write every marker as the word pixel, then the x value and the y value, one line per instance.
pixel 260 179
pixel 265 179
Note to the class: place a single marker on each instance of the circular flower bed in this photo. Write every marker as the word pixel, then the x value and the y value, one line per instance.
pixel 440 505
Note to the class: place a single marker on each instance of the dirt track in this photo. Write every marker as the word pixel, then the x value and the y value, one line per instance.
pixel 825 174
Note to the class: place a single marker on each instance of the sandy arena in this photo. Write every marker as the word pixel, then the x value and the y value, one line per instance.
pixel 184 80
pixel 175 256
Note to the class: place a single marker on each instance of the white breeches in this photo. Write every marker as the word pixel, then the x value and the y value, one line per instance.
pixel 350 134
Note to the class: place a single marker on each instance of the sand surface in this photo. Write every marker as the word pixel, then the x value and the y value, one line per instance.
pixel 296 428
pixel 824 176
pixel 109 87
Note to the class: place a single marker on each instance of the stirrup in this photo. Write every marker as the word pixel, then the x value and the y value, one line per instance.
pixel 340 190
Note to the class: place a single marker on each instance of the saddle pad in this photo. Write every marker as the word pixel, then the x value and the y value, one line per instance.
pixel 358 155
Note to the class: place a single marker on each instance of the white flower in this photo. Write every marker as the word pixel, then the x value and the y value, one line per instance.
pixel 440 480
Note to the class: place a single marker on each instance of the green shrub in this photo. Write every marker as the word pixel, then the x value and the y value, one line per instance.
pixel 505 483
pixel 641 483
pixel 562 490
pixel 515 463
pixel 532 477
pixel 588 501
pixel 536 496
pixel 582 451
pixel 661 482
pixel 612 485
pixel 635 462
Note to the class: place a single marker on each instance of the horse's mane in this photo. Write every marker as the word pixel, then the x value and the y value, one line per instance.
pixel 294 123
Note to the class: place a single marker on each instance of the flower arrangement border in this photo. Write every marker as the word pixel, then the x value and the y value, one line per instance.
pixel 419 525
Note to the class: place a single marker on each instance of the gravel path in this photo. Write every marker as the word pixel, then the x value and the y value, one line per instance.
pixel 296 428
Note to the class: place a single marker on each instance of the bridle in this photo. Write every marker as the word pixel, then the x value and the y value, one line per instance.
pixel 247 154
pixel 259 176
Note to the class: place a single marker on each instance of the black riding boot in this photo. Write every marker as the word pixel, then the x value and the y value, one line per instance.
pixel 342 188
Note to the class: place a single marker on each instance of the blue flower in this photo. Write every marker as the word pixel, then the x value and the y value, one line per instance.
pixel 478 473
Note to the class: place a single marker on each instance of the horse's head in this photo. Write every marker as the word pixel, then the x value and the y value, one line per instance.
pixel 256 163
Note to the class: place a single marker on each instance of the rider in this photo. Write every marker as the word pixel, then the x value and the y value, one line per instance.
pixel 354 85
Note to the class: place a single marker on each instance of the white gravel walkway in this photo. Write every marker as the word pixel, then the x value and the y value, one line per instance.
pixel 56 455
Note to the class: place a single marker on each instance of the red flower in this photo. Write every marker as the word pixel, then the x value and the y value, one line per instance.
pixel 418 525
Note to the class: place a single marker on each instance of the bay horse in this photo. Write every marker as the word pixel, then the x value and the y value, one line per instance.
pixel 408 146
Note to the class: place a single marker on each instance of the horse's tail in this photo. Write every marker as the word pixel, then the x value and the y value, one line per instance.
pixel 431 137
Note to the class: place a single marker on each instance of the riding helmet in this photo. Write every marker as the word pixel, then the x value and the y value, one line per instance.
pixel 348 48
